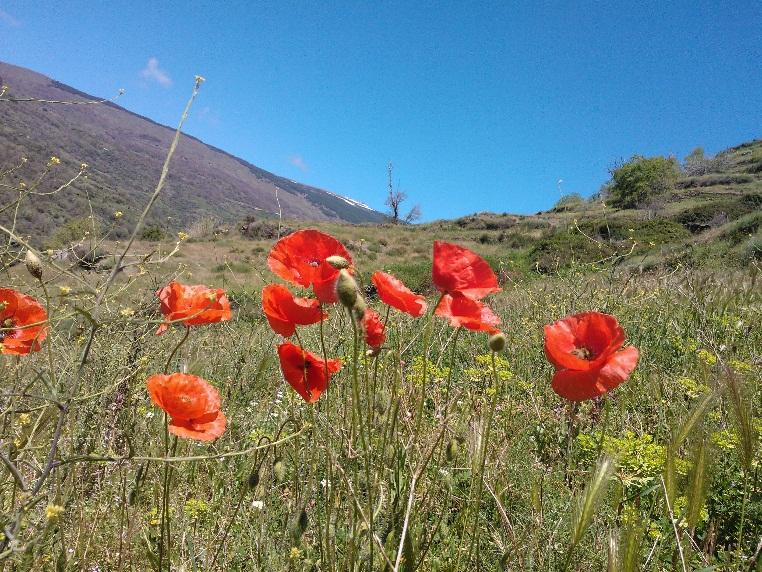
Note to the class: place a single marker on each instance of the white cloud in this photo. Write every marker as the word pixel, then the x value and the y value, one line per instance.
pixel 153 72
pixel 298 162
pixel 6 18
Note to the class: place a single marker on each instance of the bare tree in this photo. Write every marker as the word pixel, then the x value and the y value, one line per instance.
pixel 394 200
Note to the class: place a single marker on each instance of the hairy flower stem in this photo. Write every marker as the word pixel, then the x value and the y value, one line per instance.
pixel 175 350
pixel 483 458
pixel 426 340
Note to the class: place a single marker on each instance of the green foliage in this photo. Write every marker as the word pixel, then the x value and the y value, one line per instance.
pixel 642 178
pixel 75 231
pixel 565 248
pixel 153 233
pixel 569 202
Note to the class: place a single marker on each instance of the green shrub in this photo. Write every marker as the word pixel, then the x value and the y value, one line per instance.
pixel 74 231
pixel 565 248
pixel 642 178
pixel 743 228
pixel 702 216
pixel 569 202
pixel 153 234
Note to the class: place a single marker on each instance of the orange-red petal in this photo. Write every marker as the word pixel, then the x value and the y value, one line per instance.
pixel 206 431
pixel 28 318
pixel 577 385
pixel 596 332
pixel 284 311
pixel 458 270
pixel 467 313
pixel 192 304
pixel 300 259
pixel 393 292
pixel 373 328
pixel 306 372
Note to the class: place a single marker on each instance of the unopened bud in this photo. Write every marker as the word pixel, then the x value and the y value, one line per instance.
pixel 346 289
pixel 33 264
pixel 453 447
pixel 497 342
pixel 279 470
pixel 338 262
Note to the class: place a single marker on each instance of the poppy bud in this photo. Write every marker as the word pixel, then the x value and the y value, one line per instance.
pixel 346 289
pixel 338 262
pixel 254 478
pixel 33 264
pixel 452 450
pixel 279 470
pixel 497 342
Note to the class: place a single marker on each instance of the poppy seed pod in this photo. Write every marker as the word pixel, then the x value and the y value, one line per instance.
pixel 33 264
pixel 497 342
pixel 346 289
pixel 338 262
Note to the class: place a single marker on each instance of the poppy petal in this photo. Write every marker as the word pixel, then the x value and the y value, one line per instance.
pixel 284 311
pixel 27 319
pixel 393 292
pixel 596 332
pixel 373 328
pixel 457 269
pixel 307 373
pixel 300 259
pixel 192 304
pixel 582 385
pixel 467 313
pixel 207 431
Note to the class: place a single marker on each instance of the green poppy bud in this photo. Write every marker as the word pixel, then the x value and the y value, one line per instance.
pixel 338 262
pixel 346 289
pixel 452 450
pixel 279 470
pixel 497 342
pixel 33 264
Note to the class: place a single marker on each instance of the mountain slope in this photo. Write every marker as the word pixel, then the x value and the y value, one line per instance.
pixel 125 152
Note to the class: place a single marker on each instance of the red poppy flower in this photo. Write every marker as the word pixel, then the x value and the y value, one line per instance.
pixel 457 269
pixel 373 328
pixel 192 403
pixel 306 372
pixel 470 314
pixel 393 292
pixel 22 323
pixel 586 350
pixel 194 305
pixel 300 259
pixel 284 311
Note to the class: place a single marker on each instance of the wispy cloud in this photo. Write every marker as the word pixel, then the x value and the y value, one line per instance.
pixel 9 20
pixel 298 162
pixel 153 72
pixel 209 116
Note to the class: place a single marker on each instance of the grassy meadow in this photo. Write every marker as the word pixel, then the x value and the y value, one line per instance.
pixel 291 486
pixel 434 454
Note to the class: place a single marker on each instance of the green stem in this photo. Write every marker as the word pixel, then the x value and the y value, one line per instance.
pixel 483 457
pixel 177 347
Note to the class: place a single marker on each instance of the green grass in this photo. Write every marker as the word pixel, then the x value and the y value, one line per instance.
pixel 695 332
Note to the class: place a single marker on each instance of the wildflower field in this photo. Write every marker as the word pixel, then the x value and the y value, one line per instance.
pixel 308 410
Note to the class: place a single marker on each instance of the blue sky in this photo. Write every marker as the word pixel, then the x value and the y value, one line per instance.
pixel 480 106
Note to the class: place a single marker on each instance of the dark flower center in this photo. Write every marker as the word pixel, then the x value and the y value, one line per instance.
pixel 583 353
